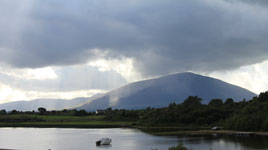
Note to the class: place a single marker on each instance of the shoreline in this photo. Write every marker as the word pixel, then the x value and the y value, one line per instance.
pixel 70 125
pixel 163 132
pixel 209 132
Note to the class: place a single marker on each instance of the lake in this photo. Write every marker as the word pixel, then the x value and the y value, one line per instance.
pixel 123 139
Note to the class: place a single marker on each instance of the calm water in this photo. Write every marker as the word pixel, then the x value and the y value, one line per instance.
pixel 123 139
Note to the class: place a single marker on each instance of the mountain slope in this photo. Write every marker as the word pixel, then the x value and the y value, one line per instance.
pixel 161 91
pixel 49 104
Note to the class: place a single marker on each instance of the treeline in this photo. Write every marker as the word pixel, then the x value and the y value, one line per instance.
pixel 43 111
pixel 190 112
pixel 244 115
pixel 253 116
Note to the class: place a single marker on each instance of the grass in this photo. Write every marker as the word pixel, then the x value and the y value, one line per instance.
pixel 69 118
pixel 194 132
pixel 59 121
pixel 184 130
pixel 171 130
pixel 54 118
pixel 44 121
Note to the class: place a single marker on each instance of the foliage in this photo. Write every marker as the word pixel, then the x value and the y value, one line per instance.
pixel 3 112
pixel 191 111
pixel 42 110
pixel 178 147
pixel 215 102
pixel 249 115
pixel 81 113
pixel 121 115
pixel 252 116
pixel 245 115
pixel 19 119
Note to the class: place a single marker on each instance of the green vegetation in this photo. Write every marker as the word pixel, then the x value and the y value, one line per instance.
pixel 25 120
pixel 193 115
pixel 188 116
pixel 190 112
pixel 253 116
pixel 179 147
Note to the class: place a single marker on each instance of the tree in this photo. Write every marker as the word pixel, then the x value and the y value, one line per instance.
pixel 80 113
pixel 263 97
pixel 192 101
pixel 14 112
pixel 215 102
pixel 42 110
pixel 3 112
pixel 229 101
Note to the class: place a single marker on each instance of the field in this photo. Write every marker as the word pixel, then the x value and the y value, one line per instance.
pixel 59 121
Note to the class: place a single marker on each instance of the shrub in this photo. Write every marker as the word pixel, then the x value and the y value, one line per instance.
pixel 179 147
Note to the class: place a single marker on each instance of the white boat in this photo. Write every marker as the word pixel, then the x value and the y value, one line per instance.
pixel 104 141
pixel 215 128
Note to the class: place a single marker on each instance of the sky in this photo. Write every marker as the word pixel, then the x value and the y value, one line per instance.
pixel 66 49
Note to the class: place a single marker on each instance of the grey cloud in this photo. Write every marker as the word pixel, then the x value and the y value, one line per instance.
pixel 161 36
pixel 71 78
pixel 254 2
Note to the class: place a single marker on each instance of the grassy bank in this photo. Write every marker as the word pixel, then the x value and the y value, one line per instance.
pixel 170 128
pixel 192 130
pixel 48 121
pixel 97 124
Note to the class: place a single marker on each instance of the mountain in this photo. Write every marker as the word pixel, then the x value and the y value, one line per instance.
pixel 162 91
pixel 49 104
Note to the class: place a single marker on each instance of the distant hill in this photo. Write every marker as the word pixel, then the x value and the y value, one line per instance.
pixel 162 91
pixel 49 104
pixel 157 92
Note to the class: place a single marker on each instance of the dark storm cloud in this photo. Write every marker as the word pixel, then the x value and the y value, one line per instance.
pixel 162 36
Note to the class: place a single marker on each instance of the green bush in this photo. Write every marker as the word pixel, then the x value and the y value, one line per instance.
pixel 179 147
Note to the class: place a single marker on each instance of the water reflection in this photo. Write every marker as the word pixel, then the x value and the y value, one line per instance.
pixel 123 139
pixel 223 142
pixel 104 146
pixel 257 142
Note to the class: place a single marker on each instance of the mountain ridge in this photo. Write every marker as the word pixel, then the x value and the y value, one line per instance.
pixel 167 89
pixel 156 92
pixel 49 104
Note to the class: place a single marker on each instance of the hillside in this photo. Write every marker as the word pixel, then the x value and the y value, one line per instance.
pixel 162 91
pixel 49 104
